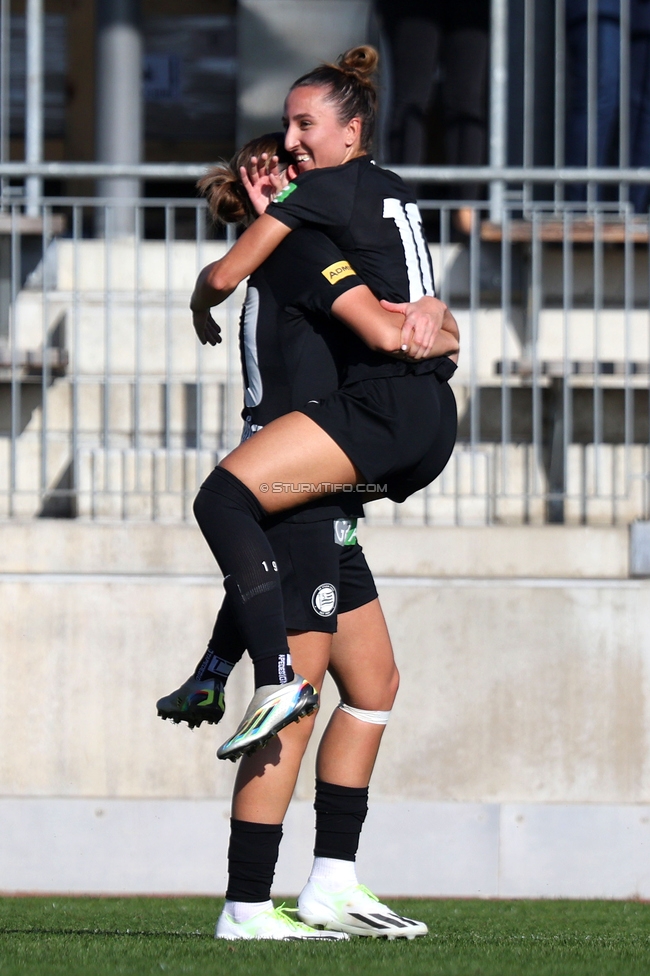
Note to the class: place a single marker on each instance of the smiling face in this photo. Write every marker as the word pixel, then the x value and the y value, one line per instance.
pixel 314 134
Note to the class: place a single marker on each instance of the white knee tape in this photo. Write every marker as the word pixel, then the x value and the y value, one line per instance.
pixel 373 718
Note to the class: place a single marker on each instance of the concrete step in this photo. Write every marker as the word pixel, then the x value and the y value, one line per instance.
pixel 452 273
pixel 154 336
pixel 124 263
pixel 151 335
pixel 122 308
pixel 606 485
pixel 104 484
pixel 156 484
pixel 119 414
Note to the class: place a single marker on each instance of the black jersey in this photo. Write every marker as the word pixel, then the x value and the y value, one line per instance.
pixel 372 216
pixel 291 349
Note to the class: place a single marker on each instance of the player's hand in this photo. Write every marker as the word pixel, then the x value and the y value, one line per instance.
pixel 206 328
pixel 262 180
pixel 422 323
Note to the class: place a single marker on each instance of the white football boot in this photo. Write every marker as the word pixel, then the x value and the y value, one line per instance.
pixel 271 709
pixel 354 910
pixel 271 923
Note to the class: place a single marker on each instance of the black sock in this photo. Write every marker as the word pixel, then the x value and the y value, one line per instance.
pixel 274 670
pixel 252 856
pixel 225 647
pixel 340 813
pixel 213 666
pixel 229 516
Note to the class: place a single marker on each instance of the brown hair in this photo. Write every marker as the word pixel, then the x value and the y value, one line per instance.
pixel 227 198
pixel 350 87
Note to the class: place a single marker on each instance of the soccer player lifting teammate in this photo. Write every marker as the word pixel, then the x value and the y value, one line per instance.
pixel 288 360
pixel 384 423
pixel 385 420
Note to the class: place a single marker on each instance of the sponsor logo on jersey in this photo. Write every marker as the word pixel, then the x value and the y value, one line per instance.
pixel 345 532
pixel 337 271
pixel 324 599
pixel 283 194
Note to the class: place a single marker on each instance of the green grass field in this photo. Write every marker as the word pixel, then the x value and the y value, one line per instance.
pixel 141 936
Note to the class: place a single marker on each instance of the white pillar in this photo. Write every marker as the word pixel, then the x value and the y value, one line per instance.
pixel 4 83
pixel 498 102
pixel 119 101
pixel 34 102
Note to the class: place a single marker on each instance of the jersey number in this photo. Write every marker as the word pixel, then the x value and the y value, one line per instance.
pixel 416 252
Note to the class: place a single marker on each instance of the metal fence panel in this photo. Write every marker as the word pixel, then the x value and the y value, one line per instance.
pixel 110 409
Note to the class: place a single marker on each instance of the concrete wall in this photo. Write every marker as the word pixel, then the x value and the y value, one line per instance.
pixel 517 753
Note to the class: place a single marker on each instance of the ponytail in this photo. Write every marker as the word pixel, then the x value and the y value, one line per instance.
pixel 227 198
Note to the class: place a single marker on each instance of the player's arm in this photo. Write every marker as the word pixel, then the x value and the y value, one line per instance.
pixel 219 279
pixel 381 329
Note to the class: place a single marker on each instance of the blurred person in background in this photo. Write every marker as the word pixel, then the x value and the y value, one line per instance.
pixel 431 40
pixel 608 90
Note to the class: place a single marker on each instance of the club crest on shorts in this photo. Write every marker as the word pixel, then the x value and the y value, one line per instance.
pixel 324 599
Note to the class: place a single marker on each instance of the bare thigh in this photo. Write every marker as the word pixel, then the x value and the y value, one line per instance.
pixel 362 661
pixel 295 452
pixel 362 664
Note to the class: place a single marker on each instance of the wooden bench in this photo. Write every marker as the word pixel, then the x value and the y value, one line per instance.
pixel 24 225
pixel 30 364
pixel 555 368
pixel 554 231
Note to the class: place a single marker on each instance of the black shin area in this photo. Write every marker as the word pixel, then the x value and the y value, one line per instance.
pixel 225 648
pixel 229 515
pixel 252 856
pixel 340 813
pixel 274 670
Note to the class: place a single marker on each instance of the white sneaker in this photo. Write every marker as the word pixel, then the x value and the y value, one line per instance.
pixel 271 923
pixel 355 910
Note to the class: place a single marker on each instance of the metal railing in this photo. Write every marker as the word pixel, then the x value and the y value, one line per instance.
pixel 109 408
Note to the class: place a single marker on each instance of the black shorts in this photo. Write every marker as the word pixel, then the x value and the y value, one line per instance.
pixel 320 577
pixel 397 430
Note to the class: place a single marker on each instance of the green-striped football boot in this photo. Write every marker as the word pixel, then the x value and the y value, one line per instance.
pixel 194 702
pixel 271 923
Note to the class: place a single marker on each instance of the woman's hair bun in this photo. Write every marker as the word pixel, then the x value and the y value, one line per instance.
pixel 350 87
pixel 361 61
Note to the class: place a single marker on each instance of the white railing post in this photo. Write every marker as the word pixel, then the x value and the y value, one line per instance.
pixel 4 86
pixel 498 102
pixel 34 102
pixel 119 102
